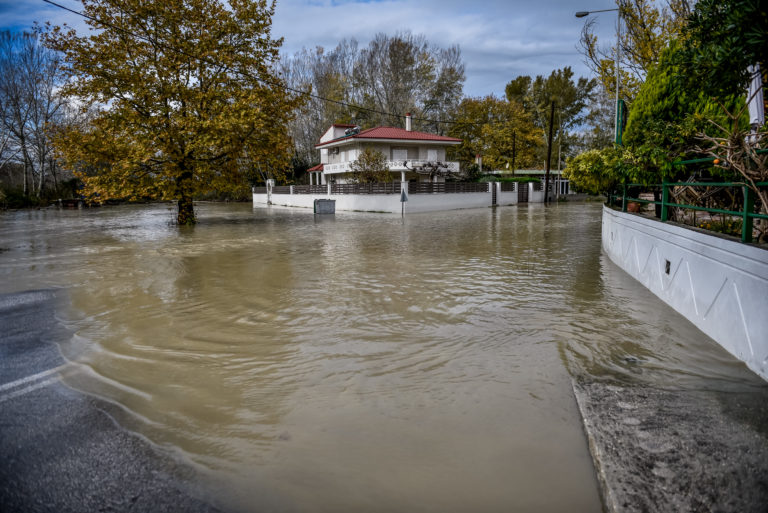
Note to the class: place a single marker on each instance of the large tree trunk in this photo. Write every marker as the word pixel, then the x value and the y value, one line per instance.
pixel 186 214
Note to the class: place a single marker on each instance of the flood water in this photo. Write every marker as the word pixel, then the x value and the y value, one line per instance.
pixel 358 362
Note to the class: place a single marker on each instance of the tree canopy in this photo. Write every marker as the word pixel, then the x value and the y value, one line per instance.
pixel 186 96
pixel 693 91
pixel 570 96
pixel 386 79
pixel 499 130
pixel 30 104
pixel 724 39
pixel 647 27
pixel 370 166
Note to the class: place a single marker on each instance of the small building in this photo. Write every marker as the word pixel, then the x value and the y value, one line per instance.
pixel 559 185
pixel 411 156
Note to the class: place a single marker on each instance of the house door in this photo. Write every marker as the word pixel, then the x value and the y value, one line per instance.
pixel 522 192
pixel 494 187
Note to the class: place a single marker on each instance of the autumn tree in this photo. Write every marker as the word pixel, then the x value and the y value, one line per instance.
pixel 501 131
pixel 370 166
pixel 571 98
pixel 186 95
pixel 647 26
pixel 597 130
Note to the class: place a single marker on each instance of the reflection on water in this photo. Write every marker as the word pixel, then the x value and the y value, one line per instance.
pixel 359 362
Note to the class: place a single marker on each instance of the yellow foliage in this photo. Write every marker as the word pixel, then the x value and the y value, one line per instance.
pixel 185 97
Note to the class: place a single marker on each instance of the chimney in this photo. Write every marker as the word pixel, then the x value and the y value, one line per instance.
pixel 408 125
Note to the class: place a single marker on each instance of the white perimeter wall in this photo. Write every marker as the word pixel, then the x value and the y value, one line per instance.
pixel 382 202
pixel 391 202
pixel 720 285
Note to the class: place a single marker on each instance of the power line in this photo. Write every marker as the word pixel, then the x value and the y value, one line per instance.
pixel 263 80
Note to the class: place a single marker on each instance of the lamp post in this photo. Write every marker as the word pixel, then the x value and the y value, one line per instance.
pixel 582 14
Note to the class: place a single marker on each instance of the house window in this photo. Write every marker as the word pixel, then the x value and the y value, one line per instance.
pixel 399 153
pixel 432 155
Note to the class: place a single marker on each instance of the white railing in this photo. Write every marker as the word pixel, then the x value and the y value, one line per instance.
pixel 343 167
pixel 394 165
pixel 412 164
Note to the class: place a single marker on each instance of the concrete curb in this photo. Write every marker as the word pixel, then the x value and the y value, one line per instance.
pixel 677 451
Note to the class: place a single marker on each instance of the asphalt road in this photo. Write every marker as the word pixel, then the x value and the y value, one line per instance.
pixel 60 450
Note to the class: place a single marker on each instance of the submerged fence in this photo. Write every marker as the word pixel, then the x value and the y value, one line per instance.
pixel 665 195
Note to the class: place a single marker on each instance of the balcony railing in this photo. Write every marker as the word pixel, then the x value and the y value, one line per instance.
pixel 393 165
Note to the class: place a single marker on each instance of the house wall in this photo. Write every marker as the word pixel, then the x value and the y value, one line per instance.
pixel 350 152
pixel 720 285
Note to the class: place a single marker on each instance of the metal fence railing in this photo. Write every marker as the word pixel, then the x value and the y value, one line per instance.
pixel 366 188
pixel 310 189
pixel 447 187
pixel 631 194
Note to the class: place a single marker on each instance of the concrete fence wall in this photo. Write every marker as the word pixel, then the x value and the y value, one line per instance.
pixel 391 202
pixel 720 285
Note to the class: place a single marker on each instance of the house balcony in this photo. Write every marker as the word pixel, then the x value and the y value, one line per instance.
pixel 394 165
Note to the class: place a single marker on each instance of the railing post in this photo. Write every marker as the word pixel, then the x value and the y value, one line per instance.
pixel 624 198
pixel 329 188
pixel 746 223
pixel 664 202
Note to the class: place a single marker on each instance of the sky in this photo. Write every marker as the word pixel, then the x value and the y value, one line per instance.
pixel 499 39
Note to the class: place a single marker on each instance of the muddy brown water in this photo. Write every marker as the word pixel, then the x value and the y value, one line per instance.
pixel 358 362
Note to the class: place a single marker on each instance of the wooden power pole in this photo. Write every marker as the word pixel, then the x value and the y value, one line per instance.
pixel 549 151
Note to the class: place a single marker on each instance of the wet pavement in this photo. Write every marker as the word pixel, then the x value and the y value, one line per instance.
pixel 60 450
pixel 677 451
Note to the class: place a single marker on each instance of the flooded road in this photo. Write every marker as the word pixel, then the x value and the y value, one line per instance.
pixel 358 362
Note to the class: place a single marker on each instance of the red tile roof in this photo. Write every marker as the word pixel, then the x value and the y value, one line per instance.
pixel 318 167
pixel 392 133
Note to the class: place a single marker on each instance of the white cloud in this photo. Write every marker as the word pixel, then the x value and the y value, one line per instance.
pixel 499 39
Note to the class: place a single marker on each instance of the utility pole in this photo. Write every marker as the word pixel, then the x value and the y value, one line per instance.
pixel 514 149
pixel 549 150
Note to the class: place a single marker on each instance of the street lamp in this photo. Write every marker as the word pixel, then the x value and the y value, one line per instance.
pixel 582 14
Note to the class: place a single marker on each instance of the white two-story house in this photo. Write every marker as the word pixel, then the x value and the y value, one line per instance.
pixel 412 156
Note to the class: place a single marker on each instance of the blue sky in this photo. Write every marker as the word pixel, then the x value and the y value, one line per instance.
pixel 499 39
